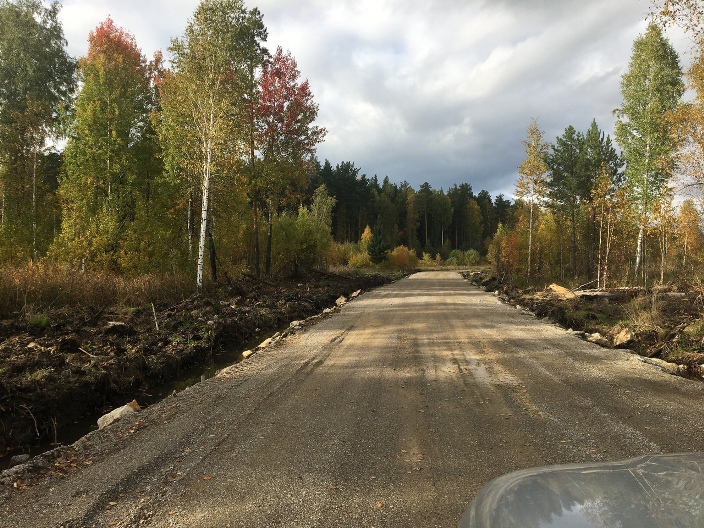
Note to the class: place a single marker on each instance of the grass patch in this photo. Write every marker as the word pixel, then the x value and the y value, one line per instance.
pixel 37 289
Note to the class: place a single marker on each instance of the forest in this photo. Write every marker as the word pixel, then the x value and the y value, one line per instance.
pixel 202 163
pixel 588 214
pixel 206 167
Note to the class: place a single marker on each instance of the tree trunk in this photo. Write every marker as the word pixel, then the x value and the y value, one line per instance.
pixel 269 236
pixel 190 224
pixel 213 256
pixel 573 249
pixel 34 208
pixel 530 238
pixel 255 224
pixel 639 253
pixel 204 216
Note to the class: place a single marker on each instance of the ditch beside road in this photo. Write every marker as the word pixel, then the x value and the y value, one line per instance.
pixel 393 412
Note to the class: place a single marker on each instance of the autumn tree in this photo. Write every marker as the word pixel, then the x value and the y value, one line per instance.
pixel 203 122
pixel 36 81
pixel 532 182
pixel 688 14
pixel 109 149
pixel 286 135
pixel 608 204
pixel 601 159
pixel 689 239
pixel 651 88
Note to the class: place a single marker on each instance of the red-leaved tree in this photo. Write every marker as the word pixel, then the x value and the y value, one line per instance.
pixel 286 136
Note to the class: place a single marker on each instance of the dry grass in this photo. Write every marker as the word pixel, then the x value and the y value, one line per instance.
pixel 644 313
pixel 39 288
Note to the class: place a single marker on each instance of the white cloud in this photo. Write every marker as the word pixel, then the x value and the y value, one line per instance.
pixel 428 90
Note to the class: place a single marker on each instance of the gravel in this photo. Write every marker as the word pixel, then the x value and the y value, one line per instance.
pixel 394 411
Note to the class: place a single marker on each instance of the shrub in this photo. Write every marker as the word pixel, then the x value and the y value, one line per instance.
pixel 401 258
pixel 471 257
pixel 427 261
pixel 360 260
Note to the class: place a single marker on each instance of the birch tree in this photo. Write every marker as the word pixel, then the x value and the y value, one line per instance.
pixel 202 123
pixel 651 88
pixel 36 82
pixel 532 183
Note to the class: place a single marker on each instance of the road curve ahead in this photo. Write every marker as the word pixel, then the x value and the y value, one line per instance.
pixel 391 413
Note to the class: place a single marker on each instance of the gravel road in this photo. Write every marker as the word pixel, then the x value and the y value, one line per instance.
pixel 391 413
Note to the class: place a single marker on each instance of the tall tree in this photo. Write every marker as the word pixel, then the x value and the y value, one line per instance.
pixel 651 88
pixel 600 159
pixel 203 119
pixel 460 196
pixel 532 183
pixel 569 183
pixel 255 57
pixel 36 81
pixel 110 136
pixel 286 135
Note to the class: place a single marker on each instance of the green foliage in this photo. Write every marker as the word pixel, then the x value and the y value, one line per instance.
pixel 651 88
pixel 110 150
pixel 360 259
pixel 205 103
pixel 377 249
pixel 36 80
pixel 301 242
pixel 426 260
pixel 40 321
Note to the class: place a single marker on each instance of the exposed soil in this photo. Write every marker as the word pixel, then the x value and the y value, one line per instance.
pixel 87 360
pixel 656 324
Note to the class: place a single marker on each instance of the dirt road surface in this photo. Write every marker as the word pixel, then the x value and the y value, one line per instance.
pixel 393 412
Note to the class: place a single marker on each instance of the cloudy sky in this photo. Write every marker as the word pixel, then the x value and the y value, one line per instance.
pixel 440 91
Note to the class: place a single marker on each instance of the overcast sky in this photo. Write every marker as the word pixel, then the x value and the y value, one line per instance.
pixel 440 91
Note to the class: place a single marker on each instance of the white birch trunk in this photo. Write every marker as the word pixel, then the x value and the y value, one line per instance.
pixel 639 253
pixel 203 220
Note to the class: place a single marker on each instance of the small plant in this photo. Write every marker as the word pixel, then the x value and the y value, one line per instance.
pixel 40 374
pixel 39 321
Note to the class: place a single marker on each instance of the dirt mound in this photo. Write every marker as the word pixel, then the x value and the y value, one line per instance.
pixel 559 292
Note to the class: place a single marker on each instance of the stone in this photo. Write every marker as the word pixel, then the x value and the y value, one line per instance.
pixel 355 294
pixel 18 459
pixel 621 336
pixel 247 353
pixel 341 300
pixel 118 414
pixel 264 343
pixel 597 339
